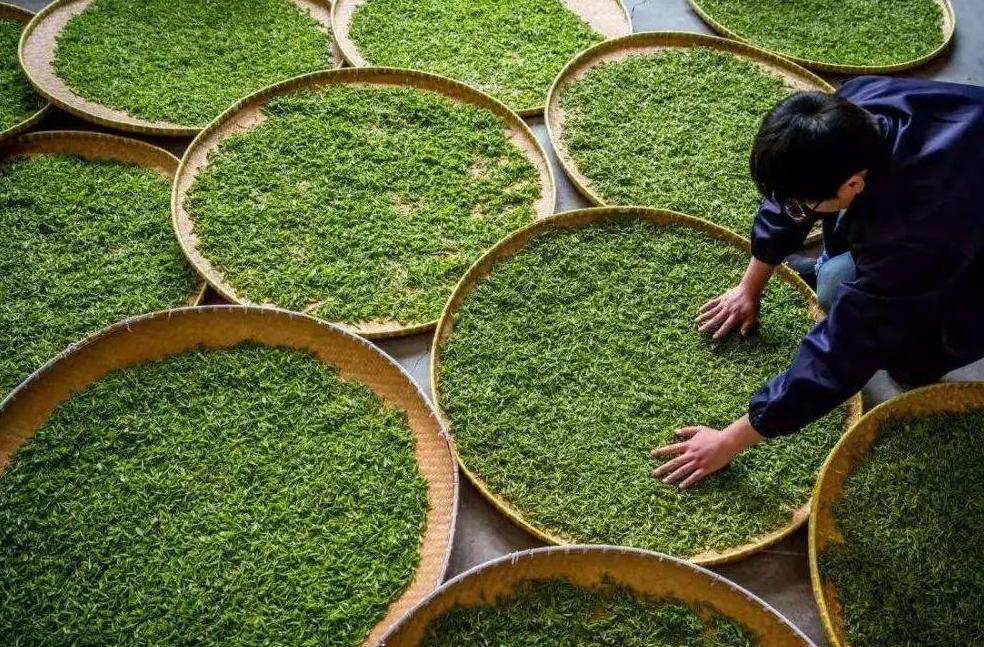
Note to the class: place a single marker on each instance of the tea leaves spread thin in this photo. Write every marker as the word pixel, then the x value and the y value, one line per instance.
pixel 360 203
pixel 672 130
pixel 846 32
pixel 185 61
pixel 576 357
pixel 246 496
pixel 911 568
pixel 511 50
pixel 558 614
pixel 83 244
pixel 18 101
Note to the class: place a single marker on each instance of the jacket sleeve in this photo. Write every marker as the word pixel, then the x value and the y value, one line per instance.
pixel 775 235
pixel 832 363
pixel 875 317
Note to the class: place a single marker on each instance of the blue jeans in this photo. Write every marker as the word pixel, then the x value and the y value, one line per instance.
pixel 831 272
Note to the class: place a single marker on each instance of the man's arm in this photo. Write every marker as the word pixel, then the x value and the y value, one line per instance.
pixel 774 237
pixel 833 363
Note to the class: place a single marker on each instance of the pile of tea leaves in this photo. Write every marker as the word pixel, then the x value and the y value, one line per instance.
pixel 511 50
pixel 847 32
pixel 558 613
pixel 18 101
pixel 911 568
pixel 672 130
pixel 83 244
pixel 579 355
pixel 185 61
pixel 359 203
pixel 243 496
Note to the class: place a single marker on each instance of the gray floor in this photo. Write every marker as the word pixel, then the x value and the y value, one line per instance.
pixel 779 575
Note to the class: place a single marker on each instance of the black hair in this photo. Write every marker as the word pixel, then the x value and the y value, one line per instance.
pixel 810 144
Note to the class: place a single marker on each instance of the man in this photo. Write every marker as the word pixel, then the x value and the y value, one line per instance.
pixel 894 169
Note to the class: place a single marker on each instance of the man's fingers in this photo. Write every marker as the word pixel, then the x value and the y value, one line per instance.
pixel 715 323
pixel 726 328
pixel 669 450
pixel 748 327
pixel 670 466
pixel 687 432
pixel 704 317
pixel 681 473
pixel 695 477
pixel 710 305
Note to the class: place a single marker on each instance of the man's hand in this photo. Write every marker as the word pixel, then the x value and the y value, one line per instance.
pixel 738 308
pixel 703 451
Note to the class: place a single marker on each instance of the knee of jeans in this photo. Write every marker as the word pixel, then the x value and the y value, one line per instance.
pixel 830 276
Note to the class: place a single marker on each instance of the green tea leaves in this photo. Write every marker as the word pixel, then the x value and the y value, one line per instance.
pixel 511 50
pixel 672 130
pixel 185 61
pixel 83 244
pixel 911 568
pixel 560 614
pixel 360 203
pixel 245 496
pixel 18 101
pixel 576 357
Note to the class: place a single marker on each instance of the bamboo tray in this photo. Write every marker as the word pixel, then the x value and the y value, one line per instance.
pixel 248 114
pixel 646 573
pixel 163 334
pixel 23 16
pixel 844 461
pixel 98 147
pixel 609 18
pixel 37 54
pixel 949 29
pixel 517 241
pixel 648 43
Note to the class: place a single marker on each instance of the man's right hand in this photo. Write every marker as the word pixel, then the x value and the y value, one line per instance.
pixel 736 309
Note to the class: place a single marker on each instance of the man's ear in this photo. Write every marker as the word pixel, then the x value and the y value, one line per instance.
pixel 854 185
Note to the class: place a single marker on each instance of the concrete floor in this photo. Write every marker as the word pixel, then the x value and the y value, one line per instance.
pixel 779 575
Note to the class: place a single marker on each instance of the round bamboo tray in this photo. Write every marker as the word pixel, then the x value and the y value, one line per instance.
pixel 609 18
pixel 844 461
pixel 648 43
pixel 513 244
pixel 37 55
pixel 98 147
pixel 157 336
pixel 248 114
pixel 949 29
pixel 23 16
pixel 645 573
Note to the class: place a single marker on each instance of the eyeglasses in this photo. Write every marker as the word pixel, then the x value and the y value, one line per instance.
pixel 800 211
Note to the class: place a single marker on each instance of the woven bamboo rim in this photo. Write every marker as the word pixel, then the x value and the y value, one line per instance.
pixel 649 43
pixel 949 29
pixel 23 16
pixel 610 18
pixel 248 114
pixel 163 334
pixel 843 462
pixel 98 147
pixel 645 573
pixel 516 242
pixel 37 54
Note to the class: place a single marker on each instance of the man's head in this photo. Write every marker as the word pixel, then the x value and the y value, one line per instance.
pixel 813 152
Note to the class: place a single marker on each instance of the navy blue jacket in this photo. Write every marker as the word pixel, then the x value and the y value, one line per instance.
pixel 916 233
